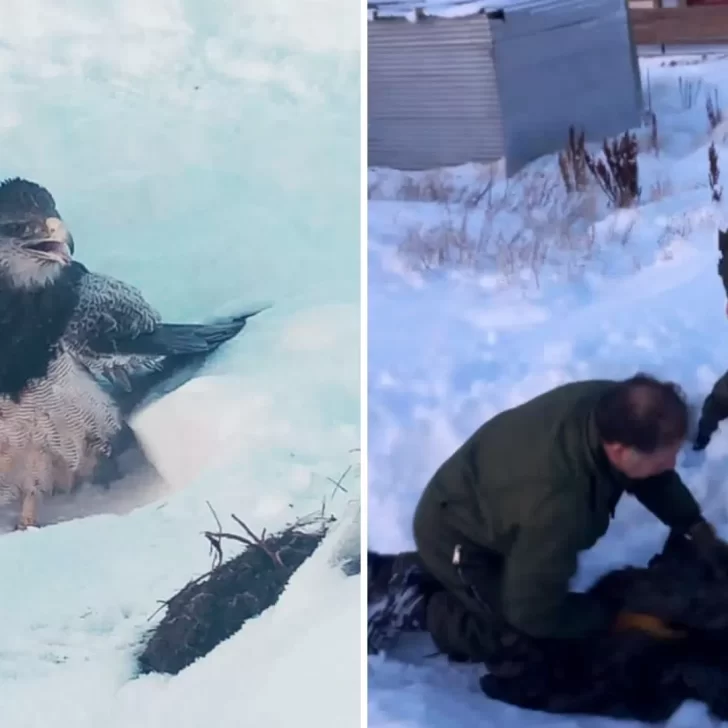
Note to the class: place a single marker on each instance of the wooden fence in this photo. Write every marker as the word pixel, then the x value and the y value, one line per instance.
pixel 705 24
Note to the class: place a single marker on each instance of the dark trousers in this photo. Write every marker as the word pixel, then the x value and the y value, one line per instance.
pixel 462 617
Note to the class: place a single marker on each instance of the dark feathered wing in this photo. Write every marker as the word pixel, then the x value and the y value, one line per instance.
pixel 122 341
pixel 173 339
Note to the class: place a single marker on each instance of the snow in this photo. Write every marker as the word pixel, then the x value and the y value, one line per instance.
pixel 207 155
pixel 478 302
pixel 443 8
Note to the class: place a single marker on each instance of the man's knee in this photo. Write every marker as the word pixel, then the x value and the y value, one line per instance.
pixel 460 628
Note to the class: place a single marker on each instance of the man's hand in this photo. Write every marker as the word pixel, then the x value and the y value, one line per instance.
pixel 711 549
pixel 647 623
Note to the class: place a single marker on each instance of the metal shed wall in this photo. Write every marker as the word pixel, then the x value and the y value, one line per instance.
pixel 560 63
pixel 433 98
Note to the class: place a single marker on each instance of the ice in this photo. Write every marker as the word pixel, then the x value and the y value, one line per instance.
pixel 480 333
pixel 208 154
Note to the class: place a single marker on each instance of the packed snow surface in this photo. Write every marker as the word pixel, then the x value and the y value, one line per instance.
pixel 484 294
pixel 208 154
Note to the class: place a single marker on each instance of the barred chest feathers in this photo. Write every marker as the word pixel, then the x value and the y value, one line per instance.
pixel 54 434
pixel 54 418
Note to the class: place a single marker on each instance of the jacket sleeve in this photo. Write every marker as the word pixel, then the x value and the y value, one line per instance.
pixel 668 498
pixel 538 569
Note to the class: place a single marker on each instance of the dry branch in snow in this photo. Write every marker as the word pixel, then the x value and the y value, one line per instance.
pixel 618 171
pixel 572 163
pixel 214 606
pixel 689 90
pixel 713 110
pixel 714 174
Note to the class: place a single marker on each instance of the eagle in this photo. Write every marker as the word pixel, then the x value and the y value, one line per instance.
pixel 79 352
pixel 635 675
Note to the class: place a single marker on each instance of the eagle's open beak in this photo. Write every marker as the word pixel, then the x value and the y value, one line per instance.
pixel 57 243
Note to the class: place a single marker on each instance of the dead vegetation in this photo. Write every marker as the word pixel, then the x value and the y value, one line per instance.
pixel 214 606
pixel 527 224
pixel 438 186
pixel 660 189
pixel 713 110
pixel 689 90
pixel 573 164
pixel 616 171
pixel 714 174
pixel 653 140
pixel 539 217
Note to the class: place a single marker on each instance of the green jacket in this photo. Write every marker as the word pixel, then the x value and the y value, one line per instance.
pixel 534 485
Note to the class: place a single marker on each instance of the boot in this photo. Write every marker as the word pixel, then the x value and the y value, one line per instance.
pixel 398 592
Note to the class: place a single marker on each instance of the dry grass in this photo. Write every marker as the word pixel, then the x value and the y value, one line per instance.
pixel 713 110
pixel 652 142
pixel 660 189
pixel 439 186
pixel 689 90
pixel 545 225
pixel 716 189
pixel 617 170
pixel 677 228
pixel 573 163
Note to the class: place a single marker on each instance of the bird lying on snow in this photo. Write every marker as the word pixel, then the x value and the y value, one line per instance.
pixel 79 351
pixel 671 645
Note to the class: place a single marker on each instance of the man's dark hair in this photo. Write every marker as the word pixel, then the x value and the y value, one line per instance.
pixel 643 413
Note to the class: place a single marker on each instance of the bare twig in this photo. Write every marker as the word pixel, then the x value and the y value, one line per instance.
pixel 259 542
pixel 572 163
pixel 689 91
pixel 713 110
pixel 337 483
pixel 617 172
pixel 714 174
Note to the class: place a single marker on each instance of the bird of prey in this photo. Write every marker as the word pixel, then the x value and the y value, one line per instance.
pixel 79 351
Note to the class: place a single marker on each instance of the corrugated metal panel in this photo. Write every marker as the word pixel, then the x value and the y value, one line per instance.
pixel 447 91
pixel 415 144
pixel 433 98
pixel 396 33
pixel 575 73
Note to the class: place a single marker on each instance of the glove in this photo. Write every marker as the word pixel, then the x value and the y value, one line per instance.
pixel 651 625
pixel 711 549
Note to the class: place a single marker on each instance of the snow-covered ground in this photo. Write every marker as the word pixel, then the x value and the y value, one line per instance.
pixel 208 153
pixel 482 298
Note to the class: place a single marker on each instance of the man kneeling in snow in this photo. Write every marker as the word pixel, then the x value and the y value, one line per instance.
pixel 499 527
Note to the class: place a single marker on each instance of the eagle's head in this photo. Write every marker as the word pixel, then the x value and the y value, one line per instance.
pixel 35 244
